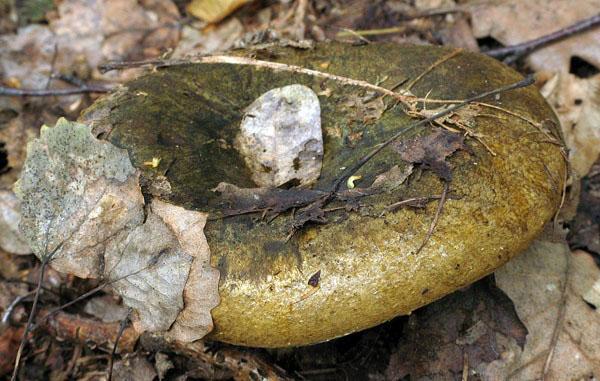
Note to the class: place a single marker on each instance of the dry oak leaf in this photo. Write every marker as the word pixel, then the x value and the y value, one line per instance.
pixel 577 103
pixel 81 199
pixel 515 21
pixel 548 284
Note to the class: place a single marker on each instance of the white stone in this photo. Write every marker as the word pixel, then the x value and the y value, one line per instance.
pixel 280 137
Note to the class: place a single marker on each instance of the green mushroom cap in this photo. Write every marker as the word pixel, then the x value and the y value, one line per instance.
pixel 366 262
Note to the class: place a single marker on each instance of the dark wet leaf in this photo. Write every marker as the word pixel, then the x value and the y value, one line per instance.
pixel 431 151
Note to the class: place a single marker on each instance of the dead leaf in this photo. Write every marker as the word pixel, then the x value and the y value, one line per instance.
pixel 547 285
pixel 585 227
pixel 27 56
pixel 134 367
pixel 9 340
pixel 196 40
pixel 471 324
pixel 431 151
pixel 213 11
pixel 76 192
pixel 235 200
pixel 577 103
pixel 82 197
pixel 90 32
pixel 11 238
pixel 106 309
pixel 514 21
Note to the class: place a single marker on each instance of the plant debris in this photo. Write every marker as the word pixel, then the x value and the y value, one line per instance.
pixel 431 151
pixel 82 205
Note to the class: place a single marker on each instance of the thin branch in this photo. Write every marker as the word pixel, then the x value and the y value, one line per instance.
pixel 122 327
pixel 12 92
pixel 9 310
pixel 436 218
pixel 521 49
pixel 559 320
pixel 245 61
pixel 44 263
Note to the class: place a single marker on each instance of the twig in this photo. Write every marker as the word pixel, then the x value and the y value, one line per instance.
pixel 12 92
pixel 9 310
pixel 440 61
pixel 36 299
pixel 559 320
pixel 400 28
pixel 122 327
pixel 409 201
pixel 245 61
pixel 521 49
pixel 434 222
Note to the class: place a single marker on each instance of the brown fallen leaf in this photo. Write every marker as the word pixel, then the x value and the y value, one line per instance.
pixel 93 31
pixel 514 21
pixel 577 103
pixel 470 325
pixel 431 151
pixel 9 340
pixel 213 11
pixel 585 227
pixel 235 200
pixel 134 367
pixel 548 285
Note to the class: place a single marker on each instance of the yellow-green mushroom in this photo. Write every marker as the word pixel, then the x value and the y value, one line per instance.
pixel 506 184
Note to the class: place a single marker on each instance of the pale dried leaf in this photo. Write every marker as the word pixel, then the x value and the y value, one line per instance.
pixel 545 282
pixel 194 321
pixel 196 41
pixel 106 308
pixel 577 103
pixel 514 21
pixel 214 10
pixel 78 192
pixel 90 32
pixel 84 193
pixel 27 56
pixel 11 239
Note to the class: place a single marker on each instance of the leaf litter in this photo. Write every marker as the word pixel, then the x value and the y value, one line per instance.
pixel 155 256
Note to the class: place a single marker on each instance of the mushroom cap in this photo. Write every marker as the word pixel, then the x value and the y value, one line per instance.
pixel 370 271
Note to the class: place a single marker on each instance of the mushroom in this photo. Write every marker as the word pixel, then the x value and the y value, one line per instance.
pixel 368 258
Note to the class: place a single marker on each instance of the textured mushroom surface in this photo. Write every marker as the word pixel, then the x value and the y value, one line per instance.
pixel 362 267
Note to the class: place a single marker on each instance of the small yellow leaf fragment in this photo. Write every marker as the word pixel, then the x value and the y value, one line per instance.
pixel 213 11
pixel 351 180
pixel 154 163
pixel 325 65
